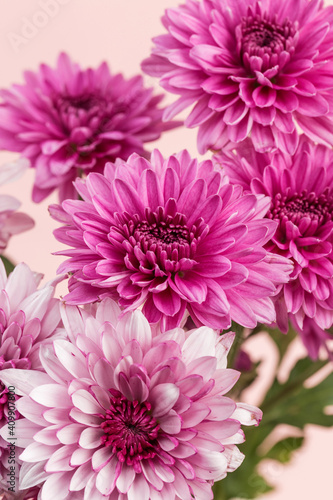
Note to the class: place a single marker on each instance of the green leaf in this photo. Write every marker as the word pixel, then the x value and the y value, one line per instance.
pixel 304 368
pixel 282 451
pixel 240 484
pixel 245 482
pixel 306 406
pixel 292 403
pixel 244 381
pixel 288 403
pixel 237 343
pixel 282 340
pixel 285 403
pixel 9 266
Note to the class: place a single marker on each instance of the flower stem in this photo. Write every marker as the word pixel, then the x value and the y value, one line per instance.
pixel 9 266
pixel 269 403
pixel 239 339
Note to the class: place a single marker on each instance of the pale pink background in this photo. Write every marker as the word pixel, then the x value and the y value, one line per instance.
pixel 120 32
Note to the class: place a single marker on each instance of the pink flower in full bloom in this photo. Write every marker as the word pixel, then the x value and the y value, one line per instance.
pixel 170 236
pixel 68 121
pixel 121 413
pixel 28 318
pixel 301 189
pixel 249 67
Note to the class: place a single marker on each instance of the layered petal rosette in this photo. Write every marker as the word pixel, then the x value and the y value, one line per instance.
pixel 301 190
pixel 68 121
pixel 171 236
pixel 29 317
pixel 249 67
pixel 121 413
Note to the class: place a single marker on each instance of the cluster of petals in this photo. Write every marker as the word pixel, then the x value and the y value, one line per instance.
pixel 301 190
pixel 29 317
pixel 122 413
pixel 171 236
pixel 249 68
pixel 68 121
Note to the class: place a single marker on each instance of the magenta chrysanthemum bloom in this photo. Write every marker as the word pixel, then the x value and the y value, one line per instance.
pixel 301 189
pixel 69 121
pixel 11 221
pixel 250 67
pixel 168 236
pixel 28 318
pixel 121 413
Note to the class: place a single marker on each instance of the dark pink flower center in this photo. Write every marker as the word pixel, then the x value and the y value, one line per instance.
pixel 85 102
pixel 163 234
pixel 161 242
pixel 86 114
pixel 297 206
pixel 5 395
pixel 130 429
pixel 261 37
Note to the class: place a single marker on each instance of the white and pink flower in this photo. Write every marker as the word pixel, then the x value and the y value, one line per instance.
pixel 121 413
pixel 29 317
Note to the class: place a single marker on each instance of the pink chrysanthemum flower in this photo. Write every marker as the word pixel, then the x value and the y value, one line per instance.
pixel 28 318
pixel 301 189
pixel 121 413
pixel 69 121
pixel 168 236
pixel 11 221
pixel 250 67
